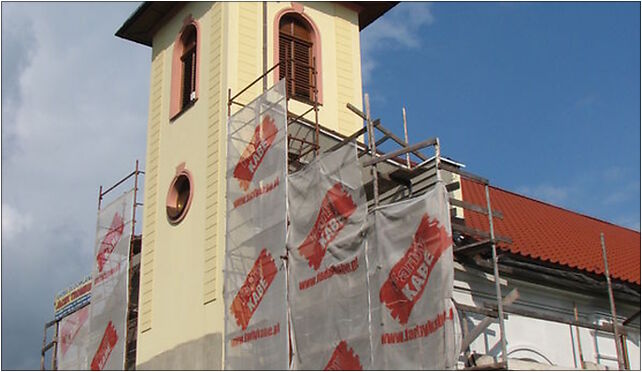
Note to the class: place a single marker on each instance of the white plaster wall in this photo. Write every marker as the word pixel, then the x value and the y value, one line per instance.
pixel 545 341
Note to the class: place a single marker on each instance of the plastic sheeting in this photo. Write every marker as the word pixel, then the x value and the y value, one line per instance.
pixel 73 331
pixel 414 321
pixel 327 284
pixel 108 307
pixel 254 275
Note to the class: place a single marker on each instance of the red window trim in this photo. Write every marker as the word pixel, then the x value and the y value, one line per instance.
pixel 172 194
pixel 176 96
pixel 316 40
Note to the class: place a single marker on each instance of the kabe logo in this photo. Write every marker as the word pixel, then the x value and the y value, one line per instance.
pixel 344 359
pixel 337 206
pixel 109 242
pixel 255 151
pixel 105 348
pixel 256 283
pixel 409 276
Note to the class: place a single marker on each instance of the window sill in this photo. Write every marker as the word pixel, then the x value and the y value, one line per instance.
pixel 183 109
pixel 306 101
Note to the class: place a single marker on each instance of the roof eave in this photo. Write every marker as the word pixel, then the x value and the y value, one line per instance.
pixel 141 26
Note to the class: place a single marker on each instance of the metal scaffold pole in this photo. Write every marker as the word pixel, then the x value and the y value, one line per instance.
pixel 54 355
pixel 316 108
pixel 42 351
pixel 616 333
pixel 498 289
pixel 373 152
pixel 405 133
pixel 577 335
pixel 437 158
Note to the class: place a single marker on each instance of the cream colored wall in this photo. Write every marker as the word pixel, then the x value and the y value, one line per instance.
pixel 341 60
pixel 181 273
pixel 180 291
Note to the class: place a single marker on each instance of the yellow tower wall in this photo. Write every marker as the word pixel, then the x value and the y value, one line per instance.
pixel 180 307
pixel 181 312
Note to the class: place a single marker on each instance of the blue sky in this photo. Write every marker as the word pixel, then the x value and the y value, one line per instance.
pixel 541 98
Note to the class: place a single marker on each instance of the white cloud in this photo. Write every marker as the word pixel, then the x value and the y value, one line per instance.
pixel 609 195
pixel 76 118
pixel 613 174
pixel 621 193
pixel 401 27
pixel 13 222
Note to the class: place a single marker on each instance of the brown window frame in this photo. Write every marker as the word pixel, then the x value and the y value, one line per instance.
pixel 296 35
pixel 188 68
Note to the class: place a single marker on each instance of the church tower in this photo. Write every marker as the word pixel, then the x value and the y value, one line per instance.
pixel 200 52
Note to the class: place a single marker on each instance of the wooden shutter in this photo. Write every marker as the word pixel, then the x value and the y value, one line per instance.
pixel 188 77
pixel 295 42
pixel 283 55
pixel 302 69
pixel 189 65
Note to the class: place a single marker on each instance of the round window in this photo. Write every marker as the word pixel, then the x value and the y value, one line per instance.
pixel 179 197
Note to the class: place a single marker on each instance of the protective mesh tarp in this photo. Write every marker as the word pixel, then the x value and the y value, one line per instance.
pixel 254 275
pixel 108 307
pixel 327 279
pixel 414 321
pixel 73 331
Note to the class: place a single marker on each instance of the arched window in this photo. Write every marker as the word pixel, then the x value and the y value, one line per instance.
pixel 188 61
pixel 296 54
pixel 185 68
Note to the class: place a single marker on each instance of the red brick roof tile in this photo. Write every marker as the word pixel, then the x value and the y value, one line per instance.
pixel 548 233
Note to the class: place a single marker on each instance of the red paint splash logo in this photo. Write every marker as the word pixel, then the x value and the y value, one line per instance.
pixel 337 206
pixel 256 283
pixel 254 153
pixel 110 240
pixel 71 327
pixel 343 359
pixel 409 276
pixel 107 344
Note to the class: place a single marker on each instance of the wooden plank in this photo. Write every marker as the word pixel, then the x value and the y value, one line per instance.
pixel 631 318
pixel 509 299
pixel 356 111
pixel 476 310
pixel 399 141
pixel 381 140
pixel 606 327
pixel 463 173
pixel 377 124
pixel 453 187
pixel 470 231
pixel 390 155
pixel 48 346
pixel 475 208
pixel 473 247
pixel 352 137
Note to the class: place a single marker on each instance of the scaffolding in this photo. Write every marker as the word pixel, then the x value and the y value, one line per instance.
pixel 389 177
pixel 393 176
pixel 133 285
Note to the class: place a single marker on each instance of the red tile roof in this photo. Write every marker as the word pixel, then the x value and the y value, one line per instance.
pixel 548 233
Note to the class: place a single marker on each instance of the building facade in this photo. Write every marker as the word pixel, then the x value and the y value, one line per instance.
pixel 200 52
